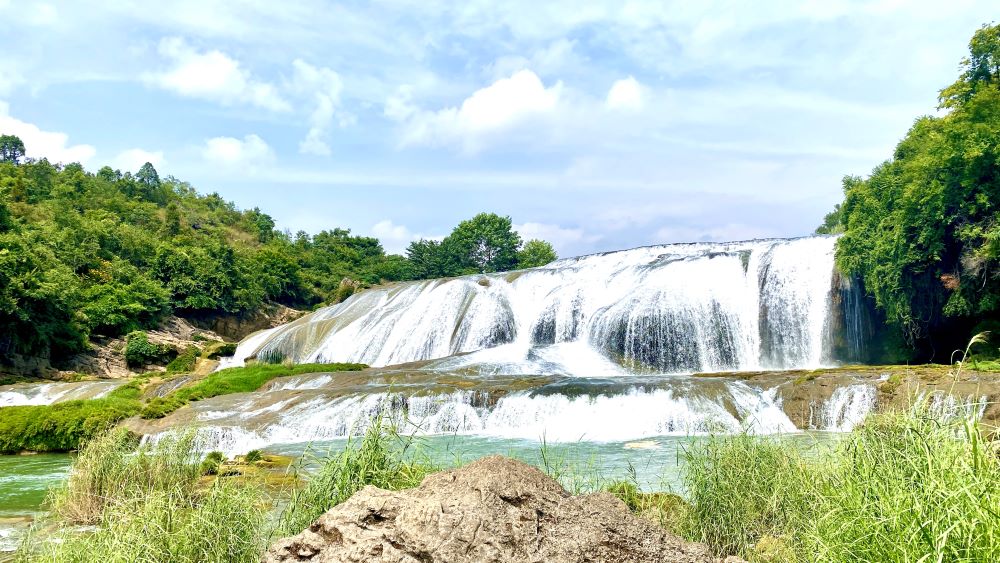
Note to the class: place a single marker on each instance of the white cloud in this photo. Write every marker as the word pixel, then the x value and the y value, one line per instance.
pixel 562 238
pixel 132 159
pixel 52 145
pixel 249 151
pixel 716 233
pixel 504 103
pixel 625 94
pixel 324 86
pixel 212 75
pixel 395 238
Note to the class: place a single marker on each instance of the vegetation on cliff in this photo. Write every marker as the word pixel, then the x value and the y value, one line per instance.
pixel 110 253
pixel 923 230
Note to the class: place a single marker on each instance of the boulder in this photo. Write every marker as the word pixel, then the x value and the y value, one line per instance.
pixel 493 510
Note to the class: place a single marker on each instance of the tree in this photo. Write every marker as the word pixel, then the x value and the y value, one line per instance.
pixel 485 243
pixel 172 220
pixel 148 183
pixel 428 260
pixel 535 253
pixel 11 149
pixel 981 69
pixel 922 232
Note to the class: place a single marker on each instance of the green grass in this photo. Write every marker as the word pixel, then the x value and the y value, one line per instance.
pixel 235 380
pixel 382 458
pixel 913 486
pixel 65 426
pixel 150 503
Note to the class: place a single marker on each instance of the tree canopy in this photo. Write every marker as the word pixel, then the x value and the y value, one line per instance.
pixel 922 231
pixel 111 252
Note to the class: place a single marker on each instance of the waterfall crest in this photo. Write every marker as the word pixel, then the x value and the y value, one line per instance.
pixel 667 309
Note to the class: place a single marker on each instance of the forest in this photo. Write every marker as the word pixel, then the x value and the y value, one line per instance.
pixel 922 231
pixel 111 252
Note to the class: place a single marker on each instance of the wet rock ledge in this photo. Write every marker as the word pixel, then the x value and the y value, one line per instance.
pixel 495 509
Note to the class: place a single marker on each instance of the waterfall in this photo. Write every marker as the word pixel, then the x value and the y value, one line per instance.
pixel 848 406
pixel 668 309
pixel 48 393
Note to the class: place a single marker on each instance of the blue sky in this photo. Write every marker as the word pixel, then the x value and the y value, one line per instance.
pixel 596 125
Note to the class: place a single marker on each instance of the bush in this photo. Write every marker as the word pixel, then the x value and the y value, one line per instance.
pixel 253 456
pixel 210 465
pixel 185 362
pixel 222 349
pixel 139 351
pixel 159 407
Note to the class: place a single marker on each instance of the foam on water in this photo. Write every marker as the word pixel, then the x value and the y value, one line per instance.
pixel 49 393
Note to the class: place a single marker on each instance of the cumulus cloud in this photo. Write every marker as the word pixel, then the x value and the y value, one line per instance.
pixel 250 151
pixel 563 239
pixel 53 145
pixel 395 238
pixel 625 94
pixel 504 103
pixel 212 75
pixel 132 159
pixel 324 86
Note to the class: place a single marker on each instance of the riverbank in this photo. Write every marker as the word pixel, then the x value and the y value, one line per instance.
pixel 752 496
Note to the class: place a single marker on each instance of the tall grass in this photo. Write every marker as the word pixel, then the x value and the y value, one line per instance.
pixel 381 458
pixel 919 485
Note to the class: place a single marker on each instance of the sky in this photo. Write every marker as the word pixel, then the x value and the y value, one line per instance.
pixel 594 125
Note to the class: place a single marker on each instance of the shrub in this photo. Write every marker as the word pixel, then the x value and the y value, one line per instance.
pixel 139 351
pixel 222 349
pixel 185 362
pixel 159 407
pixel 210 465
pixel 253 456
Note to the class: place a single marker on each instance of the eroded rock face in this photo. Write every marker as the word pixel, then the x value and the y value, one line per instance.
pixel 492 510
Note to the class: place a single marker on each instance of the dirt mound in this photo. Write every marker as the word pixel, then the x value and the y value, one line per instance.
pixel 495 509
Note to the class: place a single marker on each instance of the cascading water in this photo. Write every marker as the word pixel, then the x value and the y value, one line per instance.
pixel 48 393
pixel 665 309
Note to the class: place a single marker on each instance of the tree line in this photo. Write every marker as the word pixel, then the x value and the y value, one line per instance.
pixel 109 252
pixel 922 231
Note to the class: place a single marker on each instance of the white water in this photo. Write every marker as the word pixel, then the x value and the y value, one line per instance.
pixel 664 309
pixel 848 407
pixel 48 393
pixel 299 411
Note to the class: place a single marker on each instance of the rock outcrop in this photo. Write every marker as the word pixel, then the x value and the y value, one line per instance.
pixel 493 510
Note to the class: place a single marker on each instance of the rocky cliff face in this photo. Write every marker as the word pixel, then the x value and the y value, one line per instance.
pixel 493 510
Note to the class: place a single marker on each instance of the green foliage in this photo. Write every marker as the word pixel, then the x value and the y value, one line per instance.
pixel 139 351
pixel 210 465
pixel 535 253
pixel 184 362
pixel 62 426
pixel 222 349
pixel 11 149
pixel 914 486
pixel 923 230
pixel 234 380
pixel 253 456
pixel 147 505
pixel 382 458
pixel 109 253
pixel 485 243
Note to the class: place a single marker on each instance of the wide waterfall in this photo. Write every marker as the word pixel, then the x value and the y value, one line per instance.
pixel 668 309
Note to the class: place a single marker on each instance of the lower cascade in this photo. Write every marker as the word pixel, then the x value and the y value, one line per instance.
pixel 669 309
pixel 310 408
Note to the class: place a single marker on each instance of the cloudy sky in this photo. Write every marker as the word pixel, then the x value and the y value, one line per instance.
pixel 595 125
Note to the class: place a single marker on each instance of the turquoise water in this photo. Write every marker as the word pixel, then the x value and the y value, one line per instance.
pixel 24 481
pixel 655 464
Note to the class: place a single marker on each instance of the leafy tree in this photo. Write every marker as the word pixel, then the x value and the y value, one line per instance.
pixel 922 230
pixel 485 243
pixel 11 149
pixel 535 253
pixel 429 260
